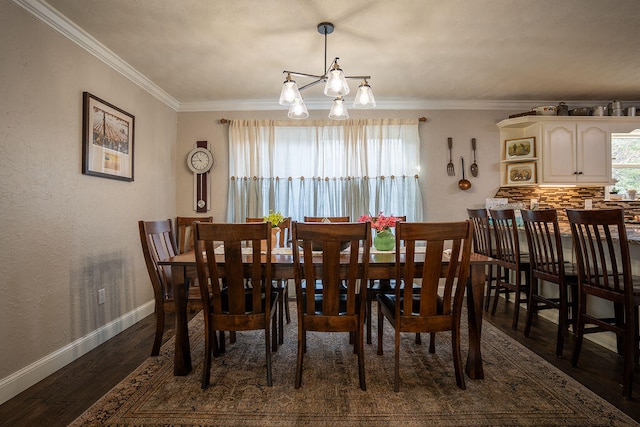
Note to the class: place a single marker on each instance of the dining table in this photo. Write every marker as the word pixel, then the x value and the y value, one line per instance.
pixel 381 266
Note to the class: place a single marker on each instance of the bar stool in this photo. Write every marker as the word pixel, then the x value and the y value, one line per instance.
pixel 509 260
pixel 482 244
pixel 547 263
pixel 604 272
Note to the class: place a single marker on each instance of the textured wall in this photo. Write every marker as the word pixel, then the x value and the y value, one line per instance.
pixel 64 235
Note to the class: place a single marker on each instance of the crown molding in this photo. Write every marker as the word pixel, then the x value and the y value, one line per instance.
pixel 382 104
pixel 50 16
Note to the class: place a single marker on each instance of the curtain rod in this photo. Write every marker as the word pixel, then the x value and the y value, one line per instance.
pixel 421 119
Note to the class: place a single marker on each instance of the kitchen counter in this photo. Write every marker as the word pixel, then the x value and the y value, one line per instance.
pixel 633 232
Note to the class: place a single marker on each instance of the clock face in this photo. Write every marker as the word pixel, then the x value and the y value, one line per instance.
pixel 200 160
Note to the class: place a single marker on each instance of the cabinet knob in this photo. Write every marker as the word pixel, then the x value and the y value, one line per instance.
pixel 580 173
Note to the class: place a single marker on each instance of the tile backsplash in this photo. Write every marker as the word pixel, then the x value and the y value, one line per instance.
pixel 562 198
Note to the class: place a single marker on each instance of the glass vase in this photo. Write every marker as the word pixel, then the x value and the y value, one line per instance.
pixel 384 240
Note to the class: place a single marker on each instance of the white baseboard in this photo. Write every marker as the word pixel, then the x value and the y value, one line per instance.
pixel 21 380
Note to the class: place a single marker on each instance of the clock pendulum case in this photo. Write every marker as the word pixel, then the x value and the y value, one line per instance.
pixel 200 161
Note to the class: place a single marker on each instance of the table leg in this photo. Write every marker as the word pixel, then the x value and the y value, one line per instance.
pixel 182 354
pixel 475 297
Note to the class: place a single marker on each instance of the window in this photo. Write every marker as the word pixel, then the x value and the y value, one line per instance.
pixel 324 168
pixel 625 163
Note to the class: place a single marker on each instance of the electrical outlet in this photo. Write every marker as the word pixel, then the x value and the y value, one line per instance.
pixel 100 296
pixel 588 203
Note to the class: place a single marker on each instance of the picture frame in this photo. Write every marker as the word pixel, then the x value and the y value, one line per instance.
pixel 520 148
pixel 521 173
pixel 107 139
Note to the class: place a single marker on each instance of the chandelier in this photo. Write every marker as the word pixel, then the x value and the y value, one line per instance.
pixel 336 86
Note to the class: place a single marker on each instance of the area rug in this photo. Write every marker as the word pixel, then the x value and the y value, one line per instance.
pixel 519 388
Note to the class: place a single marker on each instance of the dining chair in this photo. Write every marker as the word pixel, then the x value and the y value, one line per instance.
pixel 483 244
pixel 548 265
pixel 185 231
pixel 282 286
pixel 604 273
pixel 326 307
pixel 379 287
pixel 157 242
pixel 327 219
pixel 510 260
pixel 228 304
pixel 437 304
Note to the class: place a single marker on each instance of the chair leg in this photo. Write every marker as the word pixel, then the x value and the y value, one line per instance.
pixel 368 315
pixel 380 329
pixel 157 341
pixel 301 349
pixel 579 332
pixel 533 307
pixel 267 345
pixel 222 343
pixel 209 340
pixel 487 299
pixel 418 339
pixel 361 371
pixel 457 356
pixel 432 342
pixel 274 333
pixel 396 375
pixel 281 310
pixel 287 310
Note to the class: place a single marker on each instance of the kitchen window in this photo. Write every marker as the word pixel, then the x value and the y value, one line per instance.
pixel 625 162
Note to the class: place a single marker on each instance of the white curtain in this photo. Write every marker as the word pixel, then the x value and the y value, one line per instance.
pixel 320 168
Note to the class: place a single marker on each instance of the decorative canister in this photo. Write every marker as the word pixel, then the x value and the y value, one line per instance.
pixel 562 110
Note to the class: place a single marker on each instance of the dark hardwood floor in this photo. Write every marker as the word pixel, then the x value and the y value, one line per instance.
pixel 63 396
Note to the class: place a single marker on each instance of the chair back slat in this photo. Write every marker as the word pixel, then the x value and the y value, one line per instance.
pixel 438 237
pixel 544 241
pixel 482 242
pixel 332 273
pixel 231 280
pixel 506 236
pixel 184 224
pixel 157 242
pixel 602 249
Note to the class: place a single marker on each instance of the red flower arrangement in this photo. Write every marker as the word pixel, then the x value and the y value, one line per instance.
pixel 382 222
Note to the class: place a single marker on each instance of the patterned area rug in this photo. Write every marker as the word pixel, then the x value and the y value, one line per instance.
pixel 519 387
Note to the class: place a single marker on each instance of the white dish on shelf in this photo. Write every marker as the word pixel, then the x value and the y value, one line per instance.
pixel 545 110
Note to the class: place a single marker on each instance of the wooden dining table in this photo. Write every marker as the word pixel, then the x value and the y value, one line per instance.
pixel 381 266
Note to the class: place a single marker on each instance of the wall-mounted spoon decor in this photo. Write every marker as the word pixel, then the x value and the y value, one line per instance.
pixel 463 184
pixel 474 165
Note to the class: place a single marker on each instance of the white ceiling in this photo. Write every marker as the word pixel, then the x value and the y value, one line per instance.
pixel 475 51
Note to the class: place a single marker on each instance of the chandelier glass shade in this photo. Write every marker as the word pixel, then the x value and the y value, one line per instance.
pixel 336 86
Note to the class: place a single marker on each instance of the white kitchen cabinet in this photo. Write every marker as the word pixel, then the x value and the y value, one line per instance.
pixel 576 153
pixel 569 149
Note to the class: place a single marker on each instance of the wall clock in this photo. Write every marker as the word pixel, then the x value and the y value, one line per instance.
pixel 200 162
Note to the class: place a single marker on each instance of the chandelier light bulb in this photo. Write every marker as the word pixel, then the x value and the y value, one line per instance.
pixel 298 110
pixel 338 110
pixel 336 82
pixel 364 96
pixel 289 91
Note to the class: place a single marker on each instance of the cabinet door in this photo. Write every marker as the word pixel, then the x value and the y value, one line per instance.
pixel 593 154
pixel 559 153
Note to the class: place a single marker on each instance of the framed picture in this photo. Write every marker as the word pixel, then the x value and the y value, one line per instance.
pixel 107 139
pixel 521 173
pixel 521 148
